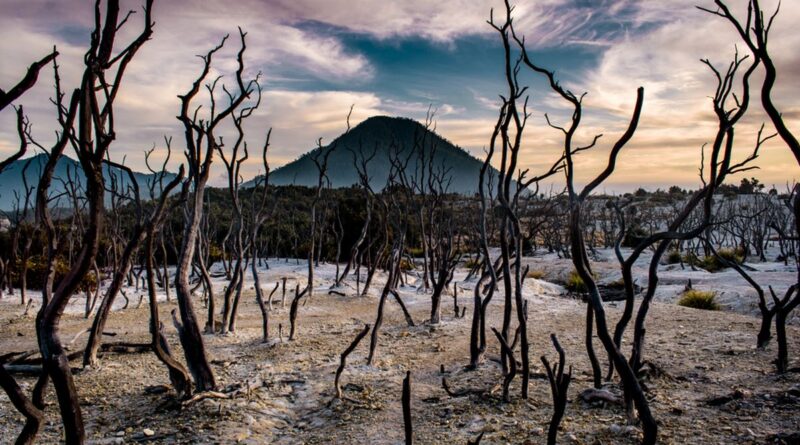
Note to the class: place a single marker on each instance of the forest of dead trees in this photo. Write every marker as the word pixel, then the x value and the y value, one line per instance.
pixel 174 236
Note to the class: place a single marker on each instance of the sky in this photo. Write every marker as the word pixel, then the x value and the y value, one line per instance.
pixel 402 58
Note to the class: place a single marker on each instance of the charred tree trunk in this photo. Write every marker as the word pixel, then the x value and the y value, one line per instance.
pixel 177 373
pixel 99 324
pixel 32 413
pixel 559 384
pixel 597 373
pixel 343 359
pixel 406 401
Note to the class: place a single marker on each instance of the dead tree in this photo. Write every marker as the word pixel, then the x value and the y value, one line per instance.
pixel 482 296
pixel 576 200
pixel 512 363
pixel 298 295
pixel 203 258
pixel 94 108
pixel 259 218
pixel 178 374
pixel 429 181
pixel 22 230
pixel 395 208
pixel 408 428
pixel 26 83
pixel 361 162
pixel 34 415
pixel 121 269
pixel 337 229
pixel 343 359
pixel 233 167
pixel 477 344
pixel 443 255
pixel 729 108
pixel 66 120
pixel 320 159
pixel 201 142
pixel 507 140
pixel 755 32
pixel 30 408
pixel 784 306
pixel 6 98
pixel 559 384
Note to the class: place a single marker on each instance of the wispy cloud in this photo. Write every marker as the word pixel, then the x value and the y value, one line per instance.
pixel 312 73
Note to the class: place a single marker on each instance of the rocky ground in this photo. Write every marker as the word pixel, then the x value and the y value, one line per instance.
pixel 712 386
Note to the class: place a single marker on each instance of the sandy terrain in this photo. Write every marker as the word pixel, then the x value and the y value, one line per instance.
pixel 703 355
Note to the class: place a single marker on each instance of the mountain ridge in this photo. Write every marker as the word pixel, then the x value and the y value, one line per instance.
pixel 384 134
pixel 11 182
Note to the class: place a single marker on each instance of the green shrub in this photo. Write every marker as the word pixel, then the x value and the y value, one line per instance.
pixel 214 254
pixel 691 259
pixel 634 236
pixel 732 255
pixel 713 264
pixel 414 251
pixel 698 299
pixel 37 273
pixel 575 282
pixel 673 257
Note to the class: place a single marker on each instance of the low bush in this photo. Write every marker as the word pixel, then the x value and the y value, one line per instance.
pixel 406 265
pixel 536 274
pixel 673 257
pixel 575 282
pixel 712 263
pixel 414 251
pixel 698 299
pixel 732 255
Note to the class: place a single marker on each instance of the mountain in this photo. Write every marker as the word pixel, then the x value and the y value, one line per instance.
pixel 384 135
pixel 11 179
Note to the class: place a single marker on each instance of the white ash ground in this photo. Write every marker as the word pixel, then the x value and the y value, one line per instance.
pixel 704 355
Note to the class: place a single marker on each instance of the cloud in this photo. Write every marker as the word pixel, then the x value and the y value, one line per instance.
pixel 166 65
pixel 664 58
pixel 312 77
pixel 546 23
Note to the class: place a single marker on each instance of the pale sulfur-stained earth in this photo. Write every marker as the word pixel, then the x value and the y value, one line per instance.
pixel 704 358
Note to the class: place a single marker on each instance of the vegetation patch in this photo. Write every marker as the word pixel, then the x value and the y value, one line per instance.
pixel 673 257
pixel 406 265
pixel 37 274
pixel 699 299
pixel 537 274
pixel 472 262
pixel 575 283
pixel 712 263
